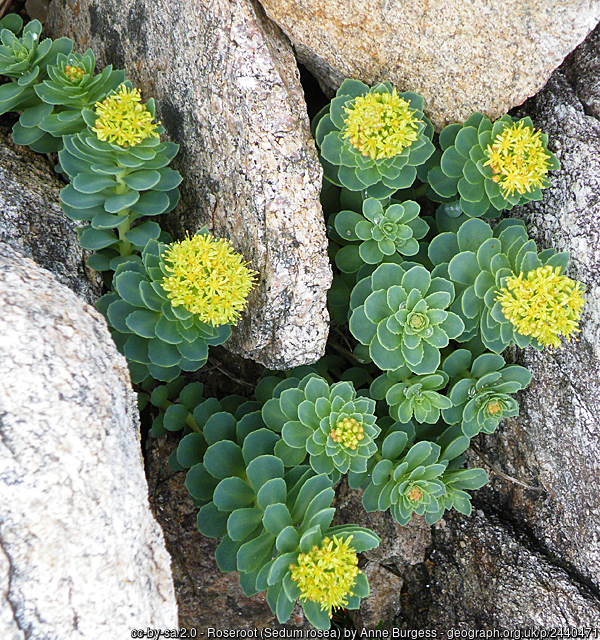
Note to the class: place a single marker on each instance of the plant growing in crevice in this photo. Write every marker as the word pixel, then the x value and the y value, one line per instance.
pixel 479 392
pixel 372 139
pixel 381 230
pixel 491 166
pixel 399 312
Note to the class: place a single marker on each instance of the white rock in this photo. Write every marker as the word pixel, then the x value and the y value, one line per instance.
pixel 81 555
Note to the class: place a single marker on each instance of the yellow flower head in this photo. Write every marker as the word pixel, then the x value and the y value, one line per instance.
pixel 123 120
pixel 348 432
pixel 327 573
pixel 208 278
pixel 518 159
pixel 543 304
pixel 380 125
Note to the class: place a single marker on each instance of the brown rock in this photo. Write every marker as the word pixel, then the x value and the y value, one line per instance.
pixel 460 56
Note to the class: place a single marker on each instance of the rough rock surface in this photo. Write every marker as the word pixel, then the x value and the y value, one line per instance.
pixel 481 574
pixel 206 597
pixel 32 222
pixel 80 554
pixel 531 557
pixel 228 91
pixel 555 442
pixel 460 56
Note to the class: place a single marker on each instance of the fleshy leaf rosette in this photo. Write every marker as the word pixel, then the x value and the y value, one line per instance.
pixel 158 334
pixel 479 261
pixel 408 395
pixel 383 231
pixel 113 184
pixel 274 523
pixel 329 422
pixel 71 85
pixel 491 166
pixel 480 391
pixel 399 312
pixel 372 139
pixel 25 59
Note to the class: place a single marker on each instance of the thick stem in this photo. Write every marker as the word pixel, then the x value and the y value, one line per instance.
pixel 125 246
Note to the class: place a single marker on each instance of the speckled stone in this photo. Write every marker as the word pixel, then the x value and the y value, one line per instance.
pixel 462 57
pixel 81 555
pixel 227 90
pixel 32 221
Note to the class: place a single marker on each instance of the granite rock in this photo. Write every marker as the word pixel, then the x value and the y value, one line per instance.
pixel 227 90
pixel 32 221
pixel 80 552
pixel 462 57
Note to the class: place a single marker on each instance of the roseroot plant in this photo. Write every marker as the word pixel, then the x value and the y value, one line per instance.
pixel 410 396
pixel 168 306
pixel 491 166
pixel 330 423
pixel 372 139
pixel 399 313
pixel 25 60
pixel 274 524
pixel 119 173
pixel 382 230
pixel 483 263
pixel 70 86
pixel 479 391
pixel 413 478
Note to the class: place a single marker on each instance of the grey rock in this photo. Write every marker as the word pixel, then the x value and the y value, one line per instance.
pixel 206 597
pixel 555 442
pixel 32 221
pixel 80 554
pixel 462 57
pixel 481 574
pixel 227 90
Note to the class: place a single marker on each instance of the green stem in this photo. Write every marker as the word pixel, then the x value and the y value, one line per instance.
pixel 189 421
pixel 125 246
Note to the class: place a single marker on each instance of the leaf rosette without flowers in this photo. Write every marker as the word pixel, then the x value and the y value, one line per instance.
pixel 383 231
pixel 408 395
pixel 480 391
pixel 329 422
pixel 399 313
pixel 372 139
pixel 491 166
pixel 479 261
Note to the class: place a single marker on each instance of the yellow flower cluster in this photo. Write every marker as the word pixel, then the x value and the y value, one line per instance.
pixel 414 494
pixel 327 573
pixel 518 159
pixel 123 120
pixel 380 125
pixel 543 304
pixel 208 278
pixel 348 432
